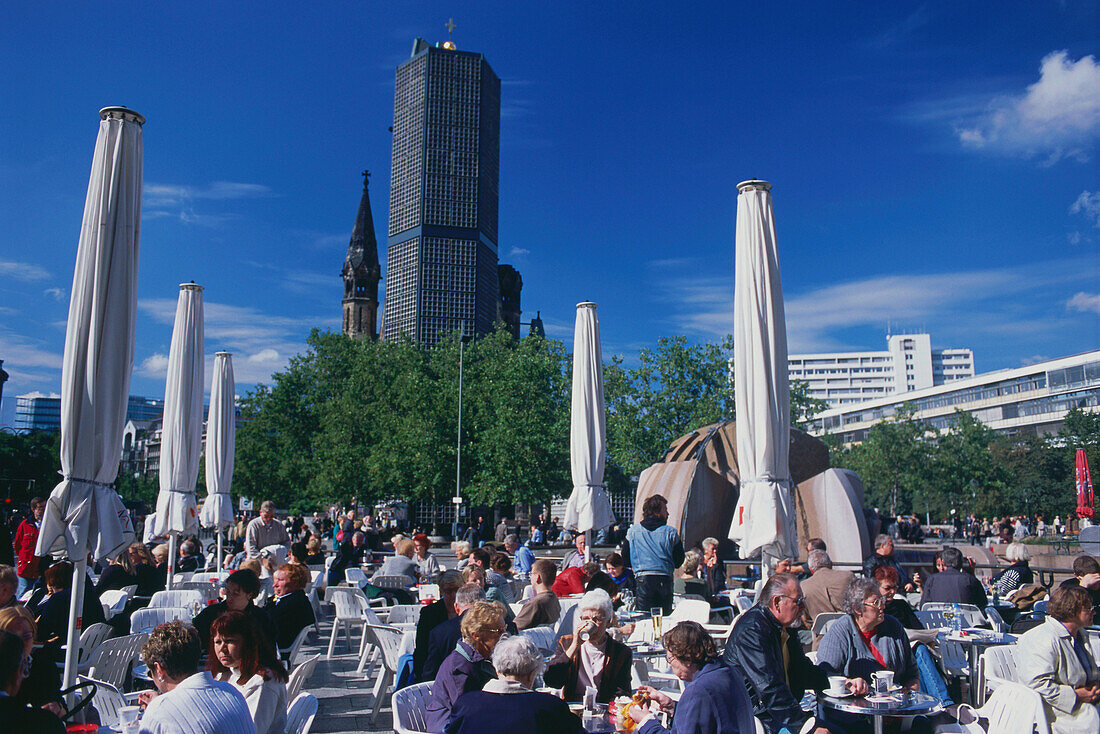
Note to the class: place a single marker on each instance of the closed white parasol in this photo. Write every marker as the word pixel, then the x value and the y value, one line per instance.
pixel 221 430
pixel 763 519
pixel 83 514
pixel 588 508
pixel 181 435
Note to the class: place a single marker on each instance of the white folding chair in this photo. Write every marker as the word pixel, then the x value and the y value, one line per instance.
pixel 90 640
pixel 108 700
pixel 543 636
pixel 351 608
pixel 404 614
pixel 742 603
pixel 300 675
pixel 113 601
pixel 300 714
pixel 823 621
pixel 208 590
pixel 953 657
pixel 392 582
pixel 111 661
pixel 995 620
pixel 290 654
pixel 388 640
pixel 177 598
pixel 355 577
pixel 409 706
pixel 146 620
pixel 688 610
pixel 996 666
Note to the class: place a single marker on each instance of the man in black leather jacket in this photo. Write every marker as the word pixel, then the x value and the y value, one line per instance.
pixel 755 650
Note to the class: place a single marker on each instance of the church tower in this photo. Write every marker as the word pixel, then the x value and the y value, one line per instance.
pixel 361 273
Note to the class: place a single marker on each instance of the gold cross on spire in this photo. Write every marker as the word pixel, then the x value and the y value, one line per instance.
pixel 450 26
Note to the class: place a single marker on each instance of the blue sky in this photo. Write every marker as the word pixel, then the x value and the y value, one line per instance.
pixel 934 166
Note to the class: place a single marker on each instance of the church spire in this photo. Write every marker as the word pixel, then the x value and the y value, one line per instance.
pixel 362 272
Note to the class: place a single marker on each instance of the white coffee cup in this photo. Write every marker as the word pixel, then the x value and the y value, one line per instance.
pixel 884 680
pixel 837 685
pixel 128 715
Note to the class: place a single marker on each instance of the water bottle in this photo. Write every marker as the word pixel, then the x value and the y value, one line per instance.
pixel 956 619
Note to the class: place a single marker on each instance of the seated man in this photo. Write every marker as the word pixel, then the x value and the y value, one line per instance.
pixel 884 556
pixel 497 587
pixel 953 586
pixel 825 588
pixel 190 559
pixel 433 615
pixel 543 607
pixel 574 579
pixel 1086 574
pixel 442 640
pixel 771 661
pixel 351 553
pixel 524 558
pixel 290 611
pixel 575 557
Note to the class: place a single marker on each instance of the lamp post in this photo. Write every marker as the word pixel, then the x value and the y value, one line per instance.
pixel 457 499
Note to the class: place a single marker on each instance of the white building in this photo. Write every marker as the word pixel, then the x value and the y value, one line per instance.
pixel 909 363
pixel 1027 400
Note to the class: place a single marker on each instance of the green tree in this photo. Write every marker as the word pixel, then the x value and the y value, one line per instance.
pixel 893 462
pixel 966 476
pixel 676 388
pixel 29 465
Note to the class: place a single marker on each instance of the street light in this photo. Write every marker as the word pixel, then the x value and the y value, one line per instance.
pixel 457 499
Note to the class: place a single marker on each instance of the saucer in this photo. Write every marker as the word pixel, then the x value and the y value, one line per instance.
pixel 843 694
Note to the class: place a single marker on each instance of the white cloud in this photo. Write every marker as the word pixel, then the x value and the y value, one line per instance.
pixel 177 201
pixel 20 352
pixel 23 271
pixel 58 294
pixel 264 357
pixel 1056 117
pixel 1085 302
pixel 1088 204
pixel 519 252
pixel 818 319
pixel 155 365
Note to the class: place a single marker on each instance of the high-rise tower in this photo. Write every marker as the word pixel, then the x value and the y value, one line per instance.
pixel 441 261
pixel 361 273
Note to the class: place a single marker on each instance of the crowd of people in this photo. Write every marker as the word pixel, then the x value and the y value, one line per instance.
pixel 224 669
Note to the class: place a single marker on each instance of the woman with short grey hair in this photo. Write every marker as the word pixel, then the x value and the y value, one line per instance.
pixel 1017 574
pixel 866 640
pixel 589 657
pixel 508 703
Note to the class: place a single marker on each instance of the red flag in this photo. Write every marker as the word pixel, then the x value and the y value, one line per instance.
pixel 1084 486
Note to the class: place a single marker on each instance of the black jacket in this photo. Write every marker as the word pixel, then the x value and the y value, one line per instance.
pixel 207 616
pixel 441 643
pixel 19 718
pixel 954 587
pixel 431 617
pixel 754 651
pixel 290 615
pixel 347 555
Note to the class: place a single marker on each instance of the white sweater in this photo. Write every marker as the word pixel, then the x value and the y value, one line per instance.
pixel 266 701
pixel 198 705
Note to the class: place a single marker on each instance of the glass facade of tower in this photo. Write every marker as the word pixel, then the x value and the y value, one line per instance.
pixel 441 261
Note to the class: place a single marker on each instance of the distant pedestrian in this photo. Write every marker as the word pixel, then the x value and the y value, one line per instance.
pixel 26 538
pixel 265 530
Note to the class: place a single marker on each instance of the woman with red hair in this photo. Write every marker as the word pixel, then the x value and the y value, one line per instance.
pixel 237 657
pixel 429 566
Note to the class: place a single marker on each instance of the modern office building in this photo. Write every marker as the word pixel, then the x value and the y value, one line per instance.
pixel 909 363
pixel 1025 400
pixel 40 412
pixel 441 259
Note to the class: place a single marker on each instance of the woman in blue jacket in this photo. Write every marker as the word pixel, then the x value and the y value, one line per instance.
pixel 714 700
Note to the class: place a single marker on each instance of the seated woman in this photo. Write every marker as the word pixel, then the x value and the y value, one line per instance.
pixel 429 566
pixel 468 667
pixel 888 582
pixel 119 573
pixel 160 559
pixel 42 682
pixel 686 579
pixel 146 576
pixel 1054 659
pixel 508 703
pixel 9 582
pixel 240 589
pixel 401 563
pixel 1017 574
pixel 597 661
pixel 620 573
pixel 238 656
pixel 17 717
pixel 53 612
pixel 290 611
pixel 315 554
pixel 715 698
pixel 267 585
pixel 187 700
pixel 866 641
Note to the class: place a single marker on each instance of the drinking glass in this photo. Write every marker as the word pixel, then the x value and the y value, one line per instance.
pixel 657 614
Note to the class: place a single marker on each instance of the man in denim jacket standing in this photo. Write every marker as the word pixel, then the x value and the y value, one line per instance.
pixel 654 550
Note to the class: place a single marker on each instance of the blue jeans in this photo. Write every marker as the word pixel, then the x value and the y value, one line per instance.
pixel 931 681
pixel 24 584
